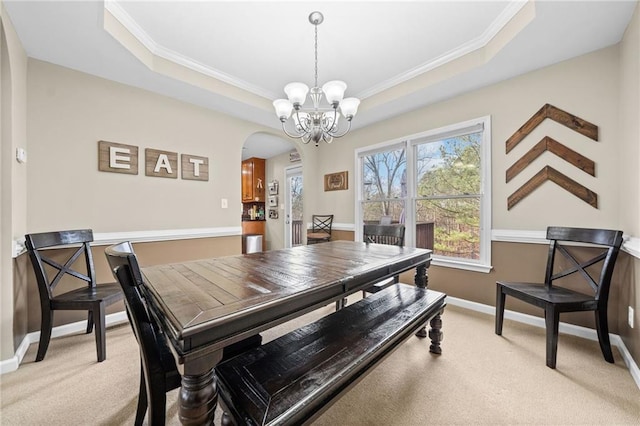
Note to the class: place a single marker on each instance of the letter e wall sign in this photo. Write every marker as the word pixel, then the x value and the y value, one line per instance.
pixel 194 167
pixel 117 158
pixel 161 163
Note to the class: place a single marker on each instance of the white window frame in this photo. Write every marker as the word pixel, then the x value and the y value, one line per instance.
pixel 410 143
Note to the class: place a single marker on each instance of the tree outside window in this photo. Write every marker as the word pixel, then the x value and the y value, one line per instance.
pixel 448 193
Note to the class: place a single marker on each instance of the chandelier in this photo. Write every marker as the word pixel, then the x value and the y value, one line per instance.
pixel 317 123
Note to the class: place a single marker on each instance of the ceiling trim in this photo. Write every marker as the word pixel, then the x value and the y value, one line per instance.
pixel 114 8
pixel 478 43
pixel 156 49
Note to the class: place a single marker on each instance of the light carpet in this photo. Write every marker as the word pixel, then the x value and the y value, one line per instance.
pixel 480 378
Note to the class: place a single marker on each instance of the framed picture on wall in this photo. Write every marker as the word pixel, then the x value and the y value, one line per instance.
pixel 336 181
pixel 273 201
pixel 273 188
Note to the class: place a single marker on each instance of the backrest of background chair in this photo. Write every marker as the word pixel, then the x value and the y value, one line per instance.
pixel 384 234
pixel 124 265
pixel 322 223
pixel 608 241
pixel 47 282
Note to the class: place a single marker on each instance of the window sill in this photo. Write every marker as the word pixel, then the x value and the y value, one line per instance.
pixel 459 264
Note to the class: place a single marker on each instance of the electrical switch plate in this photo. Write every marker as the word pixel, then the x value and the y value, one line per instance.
pixel 224 203
pixel 21 155
pixel 630 319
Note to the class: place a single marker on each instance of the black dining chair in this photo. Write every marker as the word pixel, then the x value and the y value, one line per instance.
pixel 320 228
pixel 49 273
pixel 158 372
pixel 379 234
pixel 383 234
pixel 555 299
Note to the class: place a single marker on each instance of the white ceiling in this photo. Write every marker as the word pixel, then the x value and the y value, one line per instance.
pixel 243 53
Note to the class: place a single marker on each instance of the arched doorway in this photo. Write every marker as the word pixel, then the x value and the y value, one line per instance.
pixel 279 154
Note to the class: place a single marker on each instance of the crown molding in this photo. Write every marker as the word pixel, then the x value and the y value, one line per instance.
pixel 478 43
pixel 130 24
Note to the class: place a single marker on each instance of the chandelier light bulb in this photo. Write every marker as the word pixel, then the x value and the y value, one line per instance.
pixel 334 91
pixel 283 109
pixel 349 107
pixel 296 92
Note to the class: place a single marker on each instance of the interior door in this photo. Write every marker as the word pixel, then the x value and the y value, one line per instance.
pixel 293 224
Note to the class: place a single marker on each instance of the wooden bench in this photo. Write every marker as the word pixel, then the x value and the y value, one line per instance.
pixel 292 379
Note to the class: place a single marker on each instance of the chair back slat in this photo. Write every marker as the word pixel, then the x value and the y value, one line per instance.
pixel 608 242
pixel 322 223
pixel 37 242
pixel 384 234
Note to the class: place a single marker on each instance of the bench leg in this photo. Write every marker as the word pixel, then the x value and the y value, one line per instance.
pixel 421 280
pixel 435 334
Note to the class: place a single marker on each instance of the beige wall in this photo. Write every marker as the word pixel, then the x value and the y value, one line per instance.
pixel 13 63
pixel 628 161
pixel 275 227
pixel 69 112
pixel 585 86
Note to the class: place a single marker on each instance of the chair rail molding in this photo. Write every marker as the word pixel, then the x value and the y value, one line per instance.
pixel 108 238
pixel 631 244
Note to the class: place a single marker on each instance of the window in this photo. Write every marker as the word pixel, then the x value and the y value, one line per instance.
pixel 438 184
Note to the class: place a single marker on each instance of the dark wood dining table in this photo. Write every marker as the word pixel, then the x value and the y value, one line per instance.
pixel 206 305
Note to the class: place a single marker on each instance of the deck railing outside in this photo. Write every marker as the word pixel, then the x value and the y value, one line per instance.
pixel 296 232
pixel 424 234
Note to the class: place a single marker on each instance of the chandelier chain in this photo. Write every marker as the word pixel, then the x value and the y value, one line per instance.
pixel 316 50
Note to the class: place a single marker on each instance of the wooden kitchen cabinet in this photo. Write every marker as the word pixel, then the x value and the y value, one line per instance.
pixel 253 185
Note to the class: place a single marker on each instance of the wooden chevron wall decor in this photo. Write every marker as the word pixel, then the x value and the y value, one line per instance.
pixel 549 144
pixel 555 114
pixel 549 173
pixel 555 147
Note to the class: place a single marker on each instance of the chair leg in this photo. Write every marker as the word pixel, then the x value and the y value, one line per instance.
pixel 500 297
pixel 602 327
pixel 157 400
pixel 46 324
pixel 341 303
pixel 142 399
pixel 89 322
pixel 101 345
pixel 552 321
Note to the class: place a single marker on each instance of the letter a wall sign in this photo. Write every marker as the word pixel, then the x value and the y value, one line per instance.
pixel 120 158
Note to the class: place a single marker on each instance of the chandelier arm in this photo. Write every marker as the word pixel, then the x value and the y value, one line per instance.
pixel 291 135
pixel 336 135
pixel 334 122
pixel 304 126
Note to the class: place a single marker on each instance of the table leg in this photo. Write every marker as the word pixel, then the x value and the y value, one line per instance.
pixel 435 334
pixel 198 399
pixel 198 396
pixel 421 280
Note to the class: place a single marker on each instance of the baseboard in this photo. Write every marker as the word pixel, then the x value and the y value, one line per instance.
pixel 571 329
pixel 12 364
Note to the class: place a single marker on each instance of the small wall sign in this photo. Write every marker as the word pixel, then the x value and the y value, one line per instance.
pixel 194 167
pixel 117 158
pixel 161 163
pixel 336 181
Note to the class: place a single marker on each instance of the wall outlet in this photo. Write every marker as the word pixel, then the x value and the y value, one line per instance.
pixel 630 319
